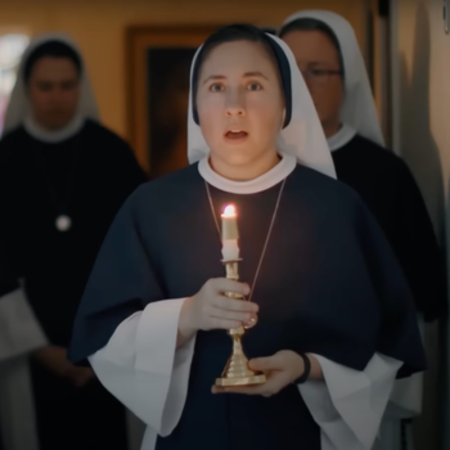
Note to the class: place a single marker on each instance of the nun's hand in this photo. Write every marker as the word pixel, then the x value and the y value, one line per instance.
pixel 211 309
pixel 281 369
pixel 54 359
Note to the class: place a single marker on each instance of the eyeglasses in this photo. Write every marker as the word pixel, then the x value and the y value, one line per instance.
pixel 319 76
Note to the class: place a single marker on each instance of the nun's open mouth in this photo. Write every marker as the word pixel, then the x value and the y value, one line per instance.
pixel 236 136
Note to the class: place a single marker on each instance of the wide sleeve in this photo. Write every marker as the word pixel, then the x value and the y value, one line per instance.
pixel 142 368
pixel 126 326
pixel 349 404
pixel 399 336
pixel 416 245
pixel 122 282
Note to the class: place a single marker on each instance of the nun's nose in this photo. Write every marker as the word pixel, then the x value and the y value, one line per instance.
pixel 235 104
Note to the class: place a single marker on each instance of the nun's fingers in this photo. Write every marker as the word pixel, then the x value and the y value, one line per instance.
pixel 251 323
pixel 220 285
pixel 216 323
pixel 210 309
pixel 241 317
pixel 232 304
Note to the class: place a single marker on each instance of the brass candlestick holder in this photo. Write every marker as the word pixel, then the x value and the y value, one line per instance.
pixel 237 372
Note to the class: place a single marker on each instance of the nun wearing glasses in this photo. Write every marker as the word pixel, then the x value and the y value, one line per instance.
pixel 327 53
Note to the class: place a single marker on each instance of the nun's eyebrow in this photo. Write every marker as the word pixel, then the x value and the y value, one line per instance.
pixel 254 74
pixel 315 63
pixel 246 75
pixel 214 78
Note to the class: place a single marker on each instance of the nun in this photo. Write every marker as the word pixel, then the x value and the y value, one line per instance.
pixel 63 178
pixel 330 318
pixel 327 54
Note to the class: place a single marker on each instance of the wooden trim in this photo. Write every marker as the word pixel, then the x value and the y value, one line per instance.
pixel 138 39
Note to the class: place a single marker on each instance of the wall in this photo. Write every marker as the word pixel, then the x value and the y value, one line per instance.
pixel 99 28
pixel 421 110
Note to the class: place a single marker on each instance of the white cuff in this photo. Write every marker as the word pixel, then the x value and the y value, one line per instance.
pixel 349 405
pixel 20 331
pixel 406 397
pixel 142 368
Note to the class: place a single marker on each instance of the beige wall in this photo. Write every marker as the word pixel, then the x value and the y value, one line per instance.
pixel 99 28
pixel 421 56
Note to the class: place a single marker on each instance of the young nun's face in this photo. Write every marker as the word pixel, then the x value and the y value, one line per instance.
pixel 318 60
pixel 240 103
pixel 53 91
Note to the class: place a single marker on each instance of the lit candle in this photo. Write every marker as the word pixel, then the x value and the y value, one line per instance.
pixel 230 234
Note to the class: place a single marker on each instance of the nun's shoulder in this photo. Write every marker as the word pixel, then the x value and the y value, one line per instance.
pixel 323 190
pixel 103 135
pixel 308 179
pixel 366 152
pixel 169 191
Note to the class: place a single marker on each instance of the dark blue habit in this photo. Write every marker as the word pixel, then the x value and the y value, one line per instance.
pixel 388 188
pixel 329 285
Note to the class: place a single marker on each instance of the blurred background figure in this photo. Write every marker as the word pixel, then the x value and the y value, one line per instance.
pixel 63 177
pixel 329 58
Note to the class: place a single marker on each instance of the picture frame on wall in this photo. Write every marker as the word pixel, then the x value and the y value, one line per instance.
pixel 158 62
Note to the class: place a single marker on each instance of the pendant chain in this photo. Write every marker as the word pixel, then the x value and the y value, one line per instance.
pixel 63 222
pixel 60 204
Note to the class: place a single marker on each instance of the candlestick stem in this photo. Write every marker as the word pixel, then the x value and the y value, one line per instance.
pixel 237 372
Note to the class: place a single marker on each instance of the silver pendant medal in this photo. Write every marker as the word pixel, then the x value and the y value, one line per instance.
pixel 63 223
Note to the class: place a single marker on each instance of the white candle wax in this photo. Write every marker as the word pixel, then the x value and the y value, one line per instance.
pixel 230 250
pixel 230 234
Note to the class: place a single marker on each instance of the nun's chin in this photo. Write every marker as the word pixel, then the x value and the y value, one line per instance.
pixel 54 120
pixel 233 157
pixel 242 155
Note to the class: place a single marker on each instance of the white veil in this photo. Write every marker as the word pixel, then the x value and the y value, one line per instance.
pixel 18 108
pixel 358 110
pixel 303 137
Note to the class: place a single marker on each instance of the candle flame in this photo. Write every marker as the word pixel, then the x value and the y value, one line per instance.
pixel 229 211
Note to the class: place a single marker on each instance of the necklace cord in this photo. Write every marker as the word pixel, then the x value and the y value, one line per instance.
pixel 269 232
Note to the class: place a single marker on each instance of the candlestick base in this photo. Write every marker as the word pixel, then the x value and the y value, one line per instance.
pixel 237 372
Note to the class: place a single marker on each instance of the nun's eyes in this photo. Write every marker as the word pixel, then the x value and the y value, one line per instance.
pixel 216 87
pixel 254 87
pixel 45 87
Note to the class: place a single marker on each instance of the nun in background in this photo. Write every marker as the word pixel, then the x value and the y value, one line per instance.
pixel 327 54
pixel 63 177
pixel 331 318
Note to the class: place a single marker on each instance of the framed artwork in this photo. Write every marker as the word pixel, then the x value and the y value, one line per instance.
pixel 158 65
